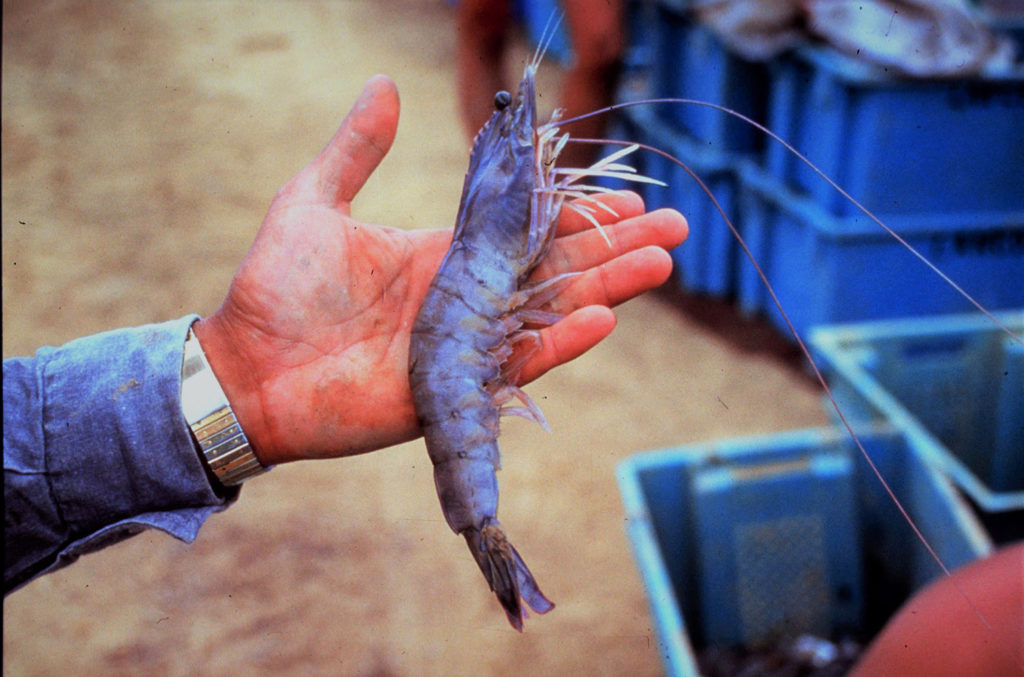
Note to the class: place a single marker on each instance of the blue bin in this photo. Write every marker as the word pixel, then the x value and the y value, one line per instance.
pixel 901 147
pixel 765 538
pixel 690 61
pixel 828 269
pixel 639 55
pixel 954 383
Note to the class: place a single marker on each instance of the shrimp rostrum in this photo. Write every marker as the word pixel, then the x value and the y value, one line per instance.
pixel 476 326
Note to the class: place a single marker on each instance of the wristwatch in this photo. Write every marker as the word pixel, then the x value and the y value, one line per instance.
pixel 220 437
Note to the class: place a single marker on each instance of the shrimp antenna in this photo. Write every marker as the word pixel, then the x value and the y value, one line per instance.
pixel 807 354
pixel 547 36
pixel 906 245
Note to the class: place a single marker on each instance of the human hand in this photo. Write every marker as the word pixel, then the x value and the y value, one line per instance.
pixel 311 344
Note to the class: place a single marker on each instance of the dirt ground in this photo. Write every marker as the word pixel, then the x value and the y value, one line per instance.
pixel 142 143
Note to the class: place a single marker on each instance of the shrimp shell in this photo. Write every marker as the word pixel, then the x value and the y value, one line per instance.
pixel 469 340
pixel 470 321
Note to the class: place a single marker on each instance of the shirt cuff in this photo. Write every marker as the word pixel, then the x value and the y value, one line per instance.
pixel 118 454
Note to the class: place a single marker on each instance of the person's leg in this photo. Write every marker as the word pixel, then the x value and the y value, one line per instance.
pixel 481 29
pixel 597 31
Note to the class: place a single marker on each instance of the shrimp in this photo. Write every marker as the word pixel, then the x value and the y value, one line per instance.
pixel 465 328
pixel 470 341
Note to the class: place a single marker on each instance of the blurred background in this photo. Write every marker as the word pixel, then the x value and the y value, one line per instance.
pixel 142 144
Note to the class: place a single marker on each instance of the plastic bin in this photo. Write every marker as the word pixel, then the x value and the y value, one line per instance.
pixel 955 384
pixel 706 262
pixel 638 58
pixel 751 540
pixel 900 146
pixel 828 269
pixel 690 61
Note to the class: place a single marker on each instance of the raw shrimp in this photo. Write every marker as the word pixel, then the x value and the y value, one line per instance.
pixel 469 340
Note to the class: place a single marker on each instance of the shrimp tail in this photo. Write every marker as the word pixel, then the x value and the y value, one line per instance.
pixel 505 571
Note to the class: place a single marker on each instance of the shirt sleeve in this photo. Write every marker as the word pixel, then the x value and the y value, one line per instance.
pixel 96 449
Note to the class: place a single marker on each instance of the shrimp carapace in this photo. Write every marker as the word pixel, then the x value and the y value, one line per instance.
pixel 477 325
pixel 462 366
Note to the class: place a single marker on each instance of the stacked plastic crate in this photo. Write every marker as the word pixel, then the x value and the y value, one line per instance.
pixel 757 541
pixel 941 162
pixel 955 386
pixel 743 542
pixel 687 60
pixel 751 542
pixel 746 541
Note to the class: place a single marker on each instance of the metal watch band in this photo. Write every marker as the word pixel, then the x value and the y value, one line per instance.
pixel 212 421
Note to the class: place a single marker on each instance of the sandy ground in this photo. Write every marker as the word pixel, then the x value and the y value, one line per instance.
pixel 142 143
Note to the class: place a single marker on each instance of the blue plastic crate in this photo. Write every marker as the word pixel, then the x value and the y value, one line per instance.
pixel 900 146
pixel 953 383
pixel 639 54
pixel 792 528
pixel 738 541
pixel 706 262
pixel 690 61
pixel 828 269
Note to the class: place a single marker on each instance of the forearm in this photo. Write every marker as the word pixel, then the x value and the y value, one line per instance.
pixel 96 449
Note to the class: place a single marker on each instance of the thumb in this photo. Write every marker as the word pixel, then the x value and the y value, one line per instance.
pixel 357 148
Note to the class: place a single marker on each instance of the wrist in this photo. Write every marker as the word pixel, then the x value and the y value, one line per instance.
pixel 223 444
pixel 237 379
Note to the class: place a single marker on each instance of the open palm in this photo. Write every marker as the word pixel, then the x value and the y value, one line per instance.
pixel 311 344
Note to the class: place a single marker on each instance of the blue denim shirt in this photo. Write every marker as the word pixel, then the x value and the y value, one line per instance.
pixel 96 449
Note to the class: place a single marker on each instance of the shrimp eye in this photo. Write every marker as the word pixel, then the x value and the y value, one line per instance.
pixel 502 99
